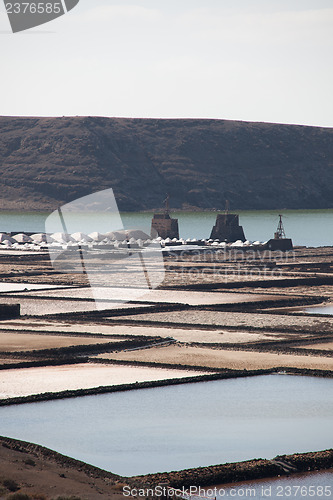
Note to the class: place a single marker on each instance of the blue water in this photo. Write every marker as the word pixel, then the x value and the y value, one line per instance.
pixel 305 227
pixel 177 427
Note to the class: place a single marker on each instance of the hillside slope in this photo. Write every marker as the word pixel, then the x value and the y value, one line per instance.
pixel 45 162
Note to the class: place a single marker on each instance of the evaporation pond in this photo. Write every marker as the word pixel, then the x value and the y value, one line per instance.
pixel 306 486
pixel 182 426
pixel 327 309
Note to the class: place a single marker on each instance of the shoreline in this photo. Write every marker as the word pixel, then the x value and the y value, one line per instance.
pixel 227 473
pixel 236 472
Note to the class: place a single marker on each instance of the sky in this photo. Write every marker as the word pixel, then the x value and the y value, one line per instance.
pixel 249 60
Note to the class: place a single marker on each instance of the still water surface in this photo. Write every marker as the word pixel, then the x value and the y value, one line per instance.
pixel 305 227
pixel 177 427
pixel 311 485
pixel 328 309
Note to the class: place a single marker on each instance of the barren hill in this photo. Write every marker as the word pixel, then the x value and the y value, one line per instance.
pixel 45 162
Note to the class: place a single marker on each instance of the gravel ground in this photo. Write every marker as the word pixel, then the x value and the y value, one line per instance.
pixel 225 319
pixel 218 358
pixel 12 342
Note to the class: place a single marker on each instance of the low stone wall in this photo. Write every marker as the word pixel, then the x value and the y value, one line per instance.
pixel 241 471
pixel 266 304
pixel 201 476
pixel 44 362
pixel 275 283
pixel 49 396
pixel 154 364
pixel 108 313
pixel 88 349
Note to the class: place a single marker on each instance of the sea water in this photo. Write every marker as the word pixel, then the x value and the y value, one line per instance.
pixel 305 227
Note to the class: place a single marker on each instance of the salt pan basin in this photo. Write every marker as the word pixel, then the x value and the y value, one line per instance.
pixel 297 486
pixel 27 381
pixel 182 426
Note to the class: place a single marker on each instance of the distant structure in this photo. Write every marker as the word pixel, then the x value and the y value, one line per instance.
pixel 280 242
pixel 163 224
pixel 227 227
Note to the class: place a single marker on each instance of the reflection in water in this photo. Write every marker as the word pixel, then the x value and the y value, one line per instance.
pixel 177 427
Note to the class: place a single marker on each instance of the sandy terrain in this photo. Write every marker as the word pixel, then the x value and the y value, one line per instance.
pixel 186 335
pixel 47 475
pixel 322 346
pixel 26 287
pixel 13 342
pixel 157 322
pixel 158 296
pixel 200 336
pixel 10 361
pixel 225 319
pixel 37 306
pixel 42 325
pixel 219 358
pixel 180 334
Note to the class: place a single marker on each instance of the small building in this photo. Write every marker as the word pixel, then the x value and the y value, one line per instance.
pixel 227 228
pixel 164 225
pixel 280 242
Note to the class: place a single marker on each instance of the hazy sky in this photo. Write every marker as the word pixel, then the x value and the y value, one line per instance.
pixel 260 60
